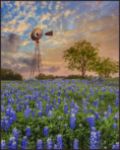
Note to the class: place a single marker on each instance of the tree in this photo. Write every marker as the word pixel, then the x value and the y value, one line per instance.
pixel 8 74
pixel 81 56
pixel 106 67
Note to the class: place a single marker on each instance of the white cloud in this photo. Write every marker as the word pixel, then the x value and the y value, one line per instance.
pixel 45 17
pixel 22 27
pixel 69 12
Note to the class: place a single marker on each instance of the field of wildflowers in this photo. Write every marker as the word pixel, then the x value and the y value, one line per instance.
pixel 59 114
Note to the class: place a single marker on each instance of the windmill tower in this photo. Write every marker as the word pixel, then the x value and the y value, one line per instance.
pixel 36 64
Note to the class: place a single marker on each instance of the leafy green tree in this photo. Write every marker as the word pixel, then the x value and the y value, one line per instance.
pixel 8 74
pixel 105 67
pixel 81 56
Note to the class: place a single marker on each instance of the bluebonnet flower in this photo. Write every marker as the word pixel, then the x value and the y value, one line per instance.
pixel 27 112
pixel 45 131
pixel 114 125
pixel 72 104
pixel 50 113
pixel 40 106
pixel 59 100
pixel 85 109
pixel 109 110
pixel 5 123
pixel 116 146
pixel 55 147
pixel 65 108
pixel 47 108
pixel 54 101
pixel 10 143
pixel 13 145
pixel 11 120
pixel 15 133
pixel 40 113
pixel 95 103
pixel 91 121
pixel 18 107
pixel 59 141
pixel 33 113
pixel 59 93
pixel 72 121
pixel 76 144
pixel 106 115
pixel 97 116
pixel 13 115
pixel 24 143
pixel 39 144
pixel 84 103
pixel 28 131
pixel 2 108
pixel 94 139
pixel 116 117
pixel 10 100
pixel 3 144
pixel 76 108
pixel 117 102
pixel 8 109
pixel 49 144
pixel 51 107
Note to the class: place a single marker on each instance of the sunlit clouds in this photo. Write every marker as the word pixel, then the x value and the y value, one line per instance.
pixel 95 21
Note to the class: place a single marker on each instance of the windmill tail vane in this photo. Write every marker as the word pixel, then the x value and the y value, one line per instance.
pixel 50 33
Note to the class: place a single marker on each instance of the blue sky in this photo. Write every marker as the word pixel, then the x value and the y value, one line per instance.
pixel 96 21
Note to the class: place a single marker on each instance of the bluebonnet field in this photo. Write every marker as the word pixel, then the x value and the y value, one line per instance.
pixel 59 114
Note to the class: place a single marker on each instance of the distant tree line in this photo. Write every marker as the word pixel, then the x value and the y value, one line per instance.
pixel 8 74
pixel 44 76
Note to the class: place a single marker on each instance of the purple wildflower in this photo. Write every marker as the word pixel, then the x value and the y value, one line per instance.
pixel 55 147
pixel 39 144
pixel 49 144
pixel 14 145
pixel 114 125
pixel 76 144
pixel 116 146
pixel 24 143
pixel 28 131
pixel 40 113
pixel 45 131
pixel 72 121
pixel 50 113
pixel 59 141
pixel 47 108
pixel 109 110
pixel 15 133
pixel 65 108
pixel 3 144
pixel 94 139
pixel 10 143
pixel 91 121
pixel 59 100
pixel 72 104
pixel 117 102
pixel 27 112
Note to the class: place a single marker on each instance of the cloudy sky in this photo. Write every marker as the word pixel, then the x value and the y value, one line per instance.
pixel 95 21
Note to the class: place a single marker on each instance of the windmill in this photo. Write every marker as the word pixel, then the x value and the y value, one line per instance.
pixel 36 35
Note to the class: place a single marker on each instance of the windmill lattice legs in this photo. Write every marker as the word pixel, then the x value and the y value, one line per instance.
pixel 36 61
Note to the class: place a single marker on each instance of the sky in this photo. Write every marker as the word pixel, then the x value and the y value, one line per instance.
pixel 71 21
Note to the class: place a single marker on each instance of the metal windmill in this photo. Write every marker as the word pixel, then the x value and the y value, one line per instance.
pixel 36 35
